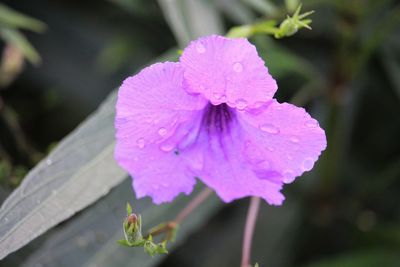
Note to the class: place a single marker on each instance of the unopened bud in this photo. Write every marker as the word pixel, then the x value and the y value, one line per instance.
pixel 132 218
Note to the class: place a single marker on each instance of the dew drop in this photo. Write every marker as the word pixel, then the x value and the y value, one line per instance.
pixel 156 186
pixel 49 162
pixel 217 96
pixel 140 142
pixel 164 185
pixel 308 164
pixel 5 219
pixel 288 176
pixel 311 123
pixel 241 103
pixel 162 131
pixel 289 157
pixel 167 147
pixel 294 139
pixel 54 192
pixel 237 67
pixel 269 128
pixel 200 48
pixel 270 148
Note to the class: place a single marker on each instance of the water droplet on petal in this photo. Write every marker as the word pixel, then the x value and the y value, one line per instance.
pixel 217 96
pixel 162 131
pixel 155 186
pixel 289 157
pixel 311 123
pixel 294 139
pixel 237 67
pixel 140 143
pixel 288 176
pixel 49 162
pixel 308 164
pixel 270 148
pixel 167 147
pixel 165 185
pixel 200 48
pixel 5 219
pixel 269 128
pixel 241 103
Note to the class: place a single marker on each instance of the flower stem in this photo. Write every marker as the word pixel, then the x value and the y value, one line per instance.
pixel 193 204
pixel 169 227
pixel 249 230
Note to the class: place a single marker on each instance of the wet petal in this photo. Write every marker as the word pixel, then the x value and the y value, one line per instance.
pixel 227 71
pixel 153 115
pixel 225 169
pixel 259 150
pixel 283 135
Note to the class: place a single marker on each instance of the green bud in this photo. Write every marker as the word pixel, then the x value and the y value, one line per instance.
pixel 291 25
pixel 132 226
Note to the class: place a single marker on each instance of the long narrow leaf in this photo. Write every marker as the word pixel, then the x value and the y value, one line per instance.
pixel 78 172
pixel 15 19
pixel 189 19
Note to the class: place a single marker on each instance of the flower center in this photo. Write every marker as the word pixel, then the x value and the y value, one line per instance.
pixel 217 118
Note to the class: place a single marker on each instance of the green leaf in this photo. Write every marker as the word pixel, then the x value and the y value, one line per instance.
pixel 80 170
pixel 263 6
pixel 16 38
pixel 123 242
pixel 128 209
pixel 189 19
pixel 12 18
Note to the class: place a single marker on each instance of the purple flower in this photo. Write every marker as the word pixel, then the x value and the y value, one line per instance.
pixel 212 116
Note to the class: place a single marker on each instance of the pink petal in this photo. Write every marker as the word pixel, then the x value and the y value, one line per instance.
pixel 227 171
pixel 257 151
pixel 285 137
pixel 227 71
pixel 154 114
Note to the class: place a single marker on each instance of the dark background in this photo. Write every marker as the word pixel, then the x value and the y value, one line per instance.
pixel 346 212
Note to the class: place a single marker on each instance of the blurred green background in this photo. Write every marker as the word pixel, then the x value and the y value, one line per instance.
pixel 346 72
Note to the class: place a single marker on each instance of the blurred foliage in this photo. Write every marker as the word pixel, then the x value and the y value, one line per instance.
pixel 344 71
pixel 10 23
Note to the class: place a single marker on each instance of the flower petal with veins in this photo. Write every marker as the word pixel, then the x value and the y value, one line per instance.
pixel 212 116
pixel 228 71
pixel 153 114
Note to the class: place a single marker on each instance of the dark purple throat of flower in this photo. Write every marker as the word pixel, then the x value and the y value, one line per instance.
pixel 217 118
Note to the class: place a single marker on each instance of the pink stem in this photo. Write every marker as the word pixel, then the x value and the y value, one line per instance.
pixel 193 204
pixel 249 230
